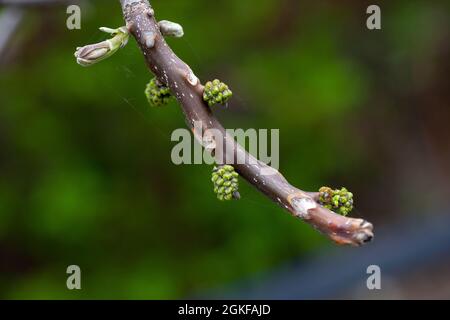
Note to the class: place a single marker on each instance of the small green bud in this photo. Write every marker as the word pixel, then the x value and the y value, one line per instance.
pixel 338 200
pixel 157 93
pixel 216 92
pixel 225 182
pixel 227 176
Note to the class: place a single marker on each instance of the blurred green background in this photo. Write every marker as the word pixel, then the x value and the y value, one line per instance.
pixel 85 170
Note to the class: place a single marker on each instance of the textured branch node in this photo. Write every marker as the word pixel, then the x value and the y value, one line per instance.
pixel 149 38
pixel 302 205
pixel 192 78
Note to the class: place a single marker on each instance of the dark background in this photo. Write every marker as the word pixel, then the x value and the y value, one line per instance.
pixel 86 176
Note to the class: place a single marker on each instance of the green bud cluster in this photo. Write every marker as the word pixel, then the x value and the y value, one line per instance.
pixel 225 181
pixel 216 92
pixel 338 200
pixel 157 93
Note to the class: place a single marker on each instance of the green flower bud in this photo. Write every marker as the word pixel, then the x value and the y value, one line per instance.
pixel 225 182
pixel 338 200
pixel 216 92
pixel 157 93
pixel 93 53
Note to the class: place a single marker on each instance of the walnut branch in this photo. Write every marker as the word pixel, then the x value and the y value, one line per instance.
pixel 186 87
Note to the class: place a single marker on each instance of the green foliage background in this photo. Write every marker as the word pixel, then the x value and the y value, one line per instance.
pixel 85 170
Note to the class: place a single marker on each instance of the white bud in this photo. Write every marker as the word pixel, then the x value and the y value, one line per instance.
pixel 93 53
pixel 169 28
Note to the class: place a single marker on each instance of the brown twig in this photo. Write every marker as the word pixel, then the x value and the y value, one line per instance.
pixel 186 87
